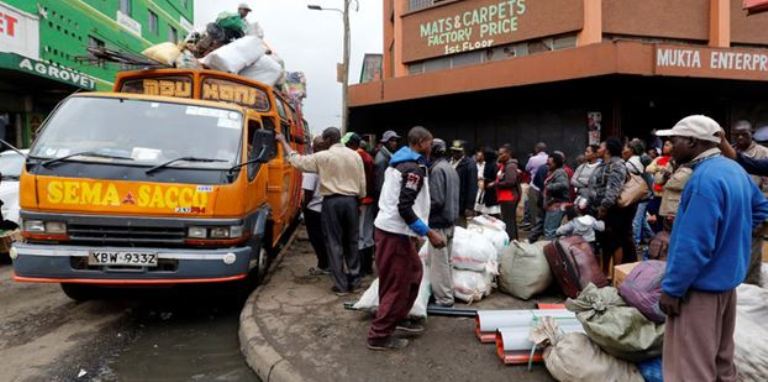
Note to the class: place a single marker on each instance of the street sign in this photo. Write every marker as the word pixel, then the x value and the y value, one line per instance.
pixel 19 32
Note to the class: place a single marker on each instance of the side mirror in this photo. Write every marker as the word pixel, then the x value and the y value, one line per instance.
pixel 263 145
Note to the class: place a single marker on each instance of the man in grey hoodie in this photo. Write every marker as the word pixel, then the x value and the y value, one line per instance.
pixel 443 212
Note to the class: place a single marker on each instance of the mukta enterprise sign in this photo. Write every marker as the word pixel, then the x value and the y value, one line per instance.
pixel 687 61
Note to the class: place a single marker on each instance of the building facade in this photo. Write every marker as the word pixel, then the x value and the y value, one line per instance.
pixel 566 72
pixel 43 49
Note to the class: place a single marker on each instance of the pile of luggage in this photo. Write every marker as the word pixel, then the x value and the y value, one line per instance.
pixel 228 45
pixel 475 255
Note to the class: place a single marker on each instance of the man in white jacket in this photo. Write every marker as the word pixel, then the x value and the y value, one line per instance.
pixel 404 206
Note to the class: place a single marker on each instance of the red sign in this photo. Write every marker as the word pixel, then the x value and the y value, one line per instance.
pixel 754 6
pixel 7 24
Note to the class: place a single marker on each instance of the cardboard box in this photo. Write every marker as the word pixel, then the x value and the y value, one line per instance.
pixel 765 250
pixel 620 273
pixel 7 239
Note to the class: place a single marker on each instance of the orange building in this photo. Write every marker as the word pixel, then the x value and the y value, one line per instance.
pixel 564 71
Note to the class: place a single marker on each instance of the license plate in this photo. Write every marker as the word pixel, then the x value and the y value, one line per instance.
pixel 138 259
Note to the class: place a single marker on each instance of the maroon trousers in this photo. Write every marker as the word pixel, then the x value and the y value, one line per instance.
pixel 400 270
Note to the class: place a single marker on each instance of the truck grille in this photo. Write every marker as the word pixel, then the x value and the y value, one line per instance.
pixel 126 236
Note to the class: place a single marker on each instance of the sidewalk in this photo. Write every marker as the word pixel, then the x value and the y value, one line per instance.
pixel 293 328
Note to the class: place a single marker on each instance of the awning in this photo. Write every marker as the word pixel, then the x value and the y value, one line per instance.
pixel 21 70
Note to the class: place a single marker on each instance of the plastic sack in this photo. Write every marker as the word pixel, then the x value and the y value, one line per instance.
pixel 165 53
pixel 187 60
pixel 652 370
pixel 472 252
pixel 369 301
pixel 524 270
pixel 620 330
pixel 499 239
pixel 751 335
pixel 764 275
pixel 266 71
pixel 642 289
pixel 236 56
pixel 489 222
pixel 469 286
pixel 572 357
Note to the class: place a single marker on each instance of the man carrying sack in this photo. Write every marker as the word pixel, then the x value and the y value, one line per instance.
pixel 709 254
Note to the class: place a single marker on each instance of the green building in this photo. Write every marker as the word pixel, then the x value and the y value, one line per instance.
pixel 42 43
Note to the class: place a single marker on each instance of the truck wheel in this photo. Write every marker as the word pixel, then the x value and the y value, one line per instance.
pixel 80 292
pixel 262 265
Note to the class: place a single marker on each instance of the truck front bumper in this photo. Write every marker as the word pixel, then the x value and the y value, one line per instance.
pixel 68 264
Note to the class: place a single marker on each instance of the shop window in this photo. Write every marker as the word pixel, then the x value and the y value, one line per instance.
pixel 126 7
pixel 465 59
pixel 173 35
pixel 152 22
pixel 437 64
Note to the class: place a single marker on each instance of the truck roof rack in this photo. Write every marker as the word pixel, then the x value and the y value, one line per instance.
pixel 98 55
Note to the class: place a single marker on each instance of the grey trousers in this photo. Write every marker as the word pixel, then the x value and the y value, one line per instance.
pixel 698 344
pixel 439 262
pixel 537 215
pixel 755 262
pixel 340 227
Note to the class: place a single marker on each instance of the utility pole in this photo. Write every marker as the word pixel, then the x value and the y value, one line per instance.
pixel 343 69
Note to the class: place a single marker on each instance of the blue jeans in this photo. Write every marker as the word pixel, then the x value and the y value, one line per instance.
pixel 552 221
pixel 640 227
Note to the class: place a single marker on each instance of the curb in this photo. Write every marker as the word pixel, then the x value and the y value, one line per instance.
pixel 261 357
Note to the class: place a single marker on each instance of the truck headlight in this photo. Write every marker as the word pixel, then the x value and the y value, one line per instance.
pixel 34 226
pixel 55 227
pixel 219 232
pixel 197 232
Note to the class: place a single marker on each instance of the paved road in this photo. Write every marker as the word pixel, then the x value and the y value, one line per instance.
pixel 158 335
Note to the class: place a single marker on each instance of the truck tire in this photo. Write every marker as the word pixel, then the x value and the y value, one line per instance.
pixel 80 292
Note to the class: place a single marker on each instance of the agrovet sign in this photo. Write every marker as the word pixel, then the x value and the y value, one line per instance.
pixel 59 73
pixel 464 26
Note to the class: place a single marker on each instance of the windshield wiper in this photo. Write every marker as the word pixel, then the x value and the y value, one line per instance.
pixel 84 153
pixel 184 159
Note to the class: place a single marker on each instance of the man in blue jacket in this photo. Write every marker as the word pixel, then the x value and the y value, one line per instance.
pixel 709 254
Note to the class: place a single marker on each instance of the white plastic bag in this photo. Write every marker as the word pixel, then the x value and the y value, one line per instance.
pixel 751 335
pixel 237 55
pixel 369 301
pixel 266 71
pixel 499 239
pixel 489 222
pixel 473 252
pixel 469 286
pixel 524 270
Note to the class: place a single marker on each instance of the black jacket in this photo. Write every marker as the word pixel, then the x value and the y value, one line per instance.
pixel 467 170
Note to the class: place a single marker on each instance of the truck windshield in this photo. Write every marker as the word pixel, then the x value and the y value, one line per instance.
pixel 141 132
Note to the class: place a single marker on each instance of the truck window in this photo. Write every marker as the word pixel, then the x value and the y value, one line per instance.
pixel 144 133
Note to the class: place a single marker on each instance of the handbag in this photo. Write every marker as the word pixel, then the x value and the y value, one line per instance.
pixel 635 189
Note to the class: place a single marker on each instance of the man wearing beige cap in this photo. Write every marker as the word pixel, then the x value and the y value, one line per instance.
pixel 709 252
pixel 243 10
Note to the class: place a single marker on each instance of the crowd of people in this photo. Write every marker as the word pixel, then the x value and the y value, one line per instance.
pixel 378 201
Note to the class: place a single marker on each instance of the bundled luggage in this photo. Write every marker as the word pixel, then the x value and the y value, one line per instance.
pixel 659 246
pixel 620 330
pixel 473 252
pixel 369 301
pixel 469 286
pixel 266 70
pixel 523 270
pixel 572 357
pixel 165 53
pixel 574 265
pixel 237 55
pixel 642 289
pixel 751 335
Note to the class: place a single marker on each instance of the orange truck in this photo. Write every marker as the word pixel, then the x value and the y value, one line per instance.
pixel 173 178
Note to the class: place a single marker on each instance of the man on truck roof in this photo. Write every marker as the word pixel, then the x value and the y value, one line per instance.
pixel 342 185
